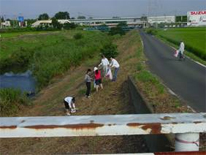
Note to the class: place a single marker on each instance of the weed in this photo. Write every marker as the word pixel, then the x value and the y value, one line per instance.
pixel 11 100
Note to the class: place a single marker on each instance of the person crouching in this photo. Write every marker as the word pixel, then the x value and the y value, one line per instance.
pixel 69 103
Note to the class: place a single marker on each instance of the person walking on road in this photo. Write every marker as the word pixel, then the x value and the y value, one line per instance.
pixel 181 51
pixel 88 80
pixel 69 103
pixel 98 79
pixel 104 63
pixel 116 66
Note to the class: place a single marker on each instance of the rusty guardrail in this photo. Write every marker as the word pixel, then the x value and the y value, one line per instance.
pixel 186 126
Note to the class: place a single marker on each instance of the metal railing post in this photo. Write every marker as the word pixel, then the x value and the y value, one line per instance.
pixel 187 142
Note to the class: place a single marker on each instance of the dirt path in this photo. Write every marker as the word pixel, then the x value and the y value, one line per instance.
pixel 113 99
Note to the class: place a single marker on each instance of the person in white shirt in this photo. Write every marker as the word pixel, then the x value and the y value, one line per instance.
pixel 181 51
pixel 69 103
pixel 104 63
pixel 116 66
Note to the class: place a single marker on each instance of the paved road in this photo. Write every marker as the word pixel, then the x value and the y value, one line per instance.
pixel 186 78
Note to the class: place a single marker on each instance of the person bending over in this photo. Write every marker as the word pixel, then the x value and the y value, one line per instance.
pixel 69 103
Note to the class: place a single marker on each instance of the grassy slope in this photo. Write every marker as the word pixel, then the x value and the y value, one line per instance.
pixel 20 40
pixel 113 99
pixel 194 39
pixel 49 54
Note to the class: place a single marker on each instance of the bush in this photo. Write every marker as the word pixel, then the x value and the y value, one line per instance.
pixel 10 101
pixel 109 50
pixel 78 36
pixel 69 26
pixel 18 60
pixel 151 31
pixel 116 30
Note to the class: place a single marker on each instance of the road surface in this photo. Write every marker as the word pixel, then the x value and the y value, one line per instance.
pixel 186 78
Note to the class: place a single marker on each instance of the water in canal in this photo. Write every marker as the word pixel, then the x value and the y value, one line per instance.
pixel 23 81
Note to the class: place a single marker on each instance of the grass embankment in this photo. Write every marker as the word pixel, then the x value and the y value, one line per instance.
pixel 113 99
pixel 194 39
pixel 11 100
pixel 18 34
pixel 47 55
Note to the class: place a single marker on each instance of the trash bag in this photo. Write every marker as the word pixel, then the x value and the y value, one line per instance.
pixel 95 84
pixel 109 74
pixel 176 53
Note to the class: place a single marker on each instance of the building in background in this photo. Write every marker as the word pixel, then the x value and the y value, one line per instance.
pixel 161 19
pixel 110 22
pixel 48 22
pixel 196 18
pixel 5 24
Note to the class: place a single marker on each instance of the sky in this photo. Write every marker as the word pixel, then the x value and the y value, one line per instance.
pixel 98 8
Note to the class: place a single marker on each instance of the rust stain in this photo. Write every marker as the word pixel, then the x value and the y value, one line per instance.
pixel 111 124
pixel 133 124
pixel 90 126
pixel 197 122
pixel 167 118
pixel 155 127
pixel 8 127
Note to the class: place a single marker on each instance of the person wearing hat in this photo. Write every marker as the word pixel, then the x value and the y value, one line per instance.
pixel 98 79
pixel 69 103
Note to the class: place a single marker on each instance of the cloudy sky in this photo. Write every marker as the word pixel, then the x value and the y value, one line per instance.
pixel 99 8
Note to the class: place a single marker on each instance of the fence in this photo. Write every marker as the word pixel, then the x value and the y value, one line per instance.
pixel 186 127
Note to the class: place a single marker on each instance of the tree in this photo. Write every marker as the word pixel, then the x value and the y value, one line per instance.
pixel 62 15
pixel 2 19
pixel 119 29
pixel 81 17
pixel 56 24
pixel 109 50
pixel 122 24
pixel 69 26
pixel 43 16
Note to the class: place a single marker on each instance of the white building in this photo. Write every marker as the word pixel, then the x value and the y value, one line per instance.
pixel 196 18
pixel 161 19
pixel 6 24
pixel 111 22
pixel 48 22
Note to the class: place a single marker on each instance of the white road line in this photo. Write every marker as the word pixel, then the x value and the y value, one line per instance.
pixel 171 92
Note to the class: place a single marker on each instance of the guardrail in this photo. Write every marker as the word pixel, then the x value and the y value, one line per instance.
pixel 185 126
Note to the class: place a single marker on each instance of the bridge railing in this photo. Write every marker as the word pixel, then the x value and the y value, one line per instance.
pixel 185 126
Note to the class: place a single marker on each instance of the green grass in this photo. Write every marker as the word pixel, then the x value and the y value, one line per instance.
pixel 17 34
pixel 51 54
pixel 11 100
pixel 194 39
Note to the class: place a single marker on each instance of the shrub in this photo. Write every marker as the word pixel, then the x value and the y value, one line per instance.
pixel 109 50
pixel 151 31
pixel 78 36
pixel 69 26
pixel 10 101
pixel 116 30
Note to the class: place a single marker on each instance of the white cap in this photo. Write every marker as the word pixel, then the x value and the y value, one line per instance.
pixel 95 68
